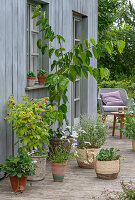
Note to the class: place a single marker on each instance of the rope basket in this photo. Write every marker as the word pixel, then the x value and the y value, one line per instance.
pixel 107 169
pixel 86 158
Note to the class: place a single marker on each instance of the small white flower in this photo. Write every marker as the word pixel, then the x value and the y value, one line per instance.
pixel 34 161
pixel 90 160
pixel 85 162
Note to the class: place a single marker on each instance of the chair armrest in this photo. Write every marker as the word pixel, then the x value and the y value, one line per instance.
pixel 129 102
pixel 101 105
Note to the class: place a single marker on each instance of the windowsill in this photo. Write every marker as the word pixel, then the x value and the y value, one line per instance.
pixel 36 87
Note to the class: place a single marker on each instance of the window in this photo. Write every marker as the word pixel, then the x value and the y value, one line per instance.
pixel 34 56
pixel 77 38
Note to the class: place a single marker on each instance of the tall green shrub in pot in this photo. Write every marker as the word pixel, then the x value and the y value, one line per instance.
pixel 31 121
pixel 91 135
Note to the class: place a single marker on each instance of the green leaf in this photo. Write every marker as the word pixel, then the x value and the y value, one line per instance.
pixel 102 73
pixel 87 44
pixel 109 47
pixel 95 52
pixel 50 52
pixel 83 55
pixel 96 73
pixel 63 82
pixel 75 60
pixel 106 73
pixel 120 46
pixel 93 41
pixel 59 38
pixel 44 48
pixel 90 68
pixel 19 175
pixel 63 108
pixel 85 71
pixel 52 38
pixel 39 43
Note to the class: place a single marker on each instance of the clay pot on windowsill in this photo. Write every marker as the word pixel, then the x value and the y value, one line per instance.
pixel 18 184
pixel 31 81
pixel 41 80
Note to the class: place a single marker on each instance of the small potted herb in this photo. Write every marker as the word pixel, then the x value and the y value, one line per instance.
pixel 107 165
pixel 129 123
pixel 92 134
pixel 58 159
pixel 18 168
pixel 42 75
pixel 31 77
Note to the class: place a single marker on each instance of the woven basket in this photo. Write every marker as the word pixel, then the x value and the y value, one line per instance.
pixel 86 157
pixel 107 169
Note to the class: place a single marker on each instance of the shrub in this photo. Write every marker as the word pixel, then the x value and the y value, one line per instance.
pixel 92 132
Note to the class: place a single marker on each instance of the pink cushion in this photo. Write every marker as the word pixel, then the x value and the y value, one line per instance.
pixel 112 99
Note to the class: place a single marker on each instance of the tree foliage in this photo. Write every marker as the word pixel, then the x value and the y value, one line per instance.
pixel 116 22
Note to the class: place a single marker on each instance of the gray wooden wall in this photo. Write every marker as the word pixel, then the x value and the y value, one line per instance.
pixel 13 55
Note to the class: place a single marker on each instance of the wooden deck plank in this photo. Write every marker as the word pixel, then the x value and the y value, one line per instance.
pixel 79 184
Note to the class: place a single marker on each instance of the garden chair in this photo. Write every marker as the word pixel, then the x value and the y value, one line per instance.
pixel 107 110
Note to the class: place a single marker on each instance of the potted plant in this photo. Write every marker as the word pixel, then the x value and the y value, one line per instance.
pixel 31 77
pixel 66 67
pixel 107 165
pixel 129 123
pixel 58 159
pixel 32 120
pixel 91 135
pixel 61 137
pixel 42 75
pixel 18 168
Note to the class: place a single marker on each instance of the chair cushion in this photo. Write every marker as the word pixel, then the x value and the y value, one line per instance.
pixel 112 99
pixel 112 108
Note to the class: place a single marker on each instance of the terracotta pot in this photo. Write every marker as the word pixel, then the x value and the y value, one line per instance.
pixel 133 144
pixel 41 80
pixel 58 171
pixel 107 169
pixel 40 171
pixel 64 143
pixel 18 184
pixel 86 157
pixel 31 81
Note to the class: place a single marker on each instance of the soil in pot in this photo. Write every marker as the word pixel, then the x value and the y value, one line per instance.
pixel 107 169
pixel 133 144
pixel 40 170
pixel 31 81
pixel 58 171
pixel 86 157
pixel 41 80
pixel 18 184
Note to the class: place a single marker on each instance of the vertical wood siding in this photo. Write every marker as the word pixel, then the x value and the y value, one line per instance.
pixel 13 54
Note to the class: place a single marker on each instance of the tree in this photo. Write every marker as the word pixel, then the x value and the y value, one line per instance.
pixel 116 22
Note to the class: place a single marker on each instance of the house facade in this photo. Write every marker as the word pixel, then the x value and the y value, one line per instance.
pixel 75 20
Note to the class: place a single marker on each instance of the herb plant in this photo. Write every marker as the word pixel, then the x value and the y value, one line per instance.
pixel 108 154
pixel 92 132
pixel 129 123
pixel 31 74
pixel 42 72
pixel 60 155
pixel 19 165
pixel 31 120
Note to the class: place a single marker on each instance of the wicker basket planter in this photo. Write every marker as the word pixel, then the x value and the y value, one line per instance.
pixel 40 170
pixel 133 144
pixel 86 157
pixel 107 169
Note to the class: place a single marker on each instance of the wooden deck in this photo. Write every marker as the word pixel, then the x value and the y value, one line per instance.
pixel 79 184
